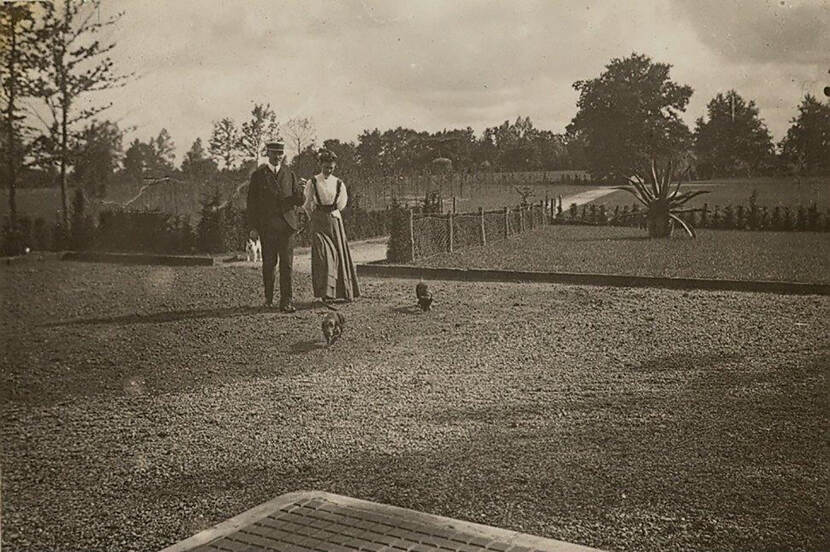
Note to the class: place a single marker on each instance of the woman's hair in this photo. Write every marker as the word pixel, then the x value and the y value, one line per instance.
pixel 324 155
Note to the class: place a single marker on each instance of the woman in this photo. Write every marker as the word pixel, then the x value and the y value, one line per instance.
pixel 333 274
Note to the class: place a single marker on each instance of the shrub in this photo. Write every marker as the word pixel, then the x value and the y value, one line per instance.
pixel 704 216
pixel 729 220
pixel 740 217
pixel 40 235
pixel 82 226
pixel 752 220
pixel 399 248
pixel 210 231
pixel 15 238
pixel 787 222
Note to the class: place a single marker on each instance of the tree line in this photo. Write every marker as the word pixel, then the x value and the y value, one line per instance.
pixel 52 55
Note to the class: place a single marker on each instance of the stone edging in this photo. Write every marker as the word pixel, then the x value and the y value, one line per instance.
pixel 405 517
pixel 138 258
pixel 611 280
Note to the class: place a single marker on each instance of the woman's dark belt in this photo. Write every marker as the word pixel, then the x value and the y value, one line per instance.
pixel 326 208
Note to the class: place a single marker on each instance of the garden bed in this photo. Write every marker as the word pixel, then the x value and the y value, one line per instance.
pixel 142 404
pixel 722 254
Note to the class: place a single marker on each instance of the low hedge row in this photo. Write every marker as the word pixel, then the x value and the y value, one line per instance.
pixel 728 217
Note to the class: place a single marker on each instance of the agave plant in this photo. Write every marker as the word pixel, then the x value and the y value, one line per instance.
pixel 662 204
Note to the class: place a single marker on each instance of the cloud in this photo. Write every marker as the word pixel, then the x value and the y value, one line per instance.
pixel 433 64
pixel 788 31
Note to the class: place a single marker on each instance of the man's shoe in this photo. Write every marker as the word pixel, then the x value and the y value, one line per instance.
pixel 288 307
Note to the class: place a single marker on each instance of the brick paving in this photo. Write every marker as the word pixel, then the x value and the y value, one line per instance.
pixel 324 522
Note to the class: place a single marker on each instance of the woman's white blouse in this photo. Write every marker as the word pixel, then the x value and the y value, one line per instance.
pixel 326 188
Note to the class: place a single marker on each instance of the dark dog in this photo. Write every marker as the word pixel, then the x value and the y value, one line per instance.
pixel 424 296
pixel 332 325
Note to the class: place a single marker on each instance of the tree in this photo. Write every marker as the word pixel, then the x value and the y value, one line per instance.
pixel 300 133
pixel 164 153
pixel 18 51
pixel 75 63
pixel 369 149
pixel 97 154
pixel 734 140
pixel 629 115
pixel 305 163
pixel 346 154
pixel 197 164
pixel 261 128
pixel 806 147
pixel 138 159
pixel 224 142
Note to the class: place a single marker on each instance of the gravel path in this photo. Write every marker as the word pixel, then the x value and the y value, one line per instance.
pixel 142 404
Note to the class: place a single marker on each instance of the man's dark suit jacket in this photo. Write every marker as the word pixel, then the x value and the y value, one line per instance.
pixel 274 201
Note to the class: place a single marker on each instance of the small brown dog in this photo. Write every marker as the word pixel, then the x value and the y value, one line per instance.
pixel 333 323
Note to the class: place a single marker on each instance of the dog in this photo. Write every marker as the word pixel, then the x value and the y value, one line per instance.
pixel 332 325
pixel 253 248
pixel 424 296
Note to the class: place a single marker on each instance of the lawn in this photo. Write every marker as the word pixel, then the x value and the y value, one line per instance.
pixel 772 192
pixel 186 199
pixel 725 254
pixel 142 404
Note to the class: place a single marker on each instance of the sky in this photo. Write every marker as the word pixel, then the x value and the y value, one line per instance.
pixel 351 65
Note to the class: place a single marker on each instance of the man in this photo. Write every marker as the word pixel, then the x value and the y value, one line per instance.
pixel 274 198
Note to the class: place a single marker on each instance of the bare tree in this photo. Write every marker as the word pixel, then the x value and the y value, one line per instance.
pixel 18 41
pixel 74 63
pixel 224 143
pixel 300 132
pixel 261 128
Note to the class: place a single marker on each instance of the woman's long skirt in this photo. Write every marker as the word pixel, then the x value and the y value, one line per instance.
pixel 333 274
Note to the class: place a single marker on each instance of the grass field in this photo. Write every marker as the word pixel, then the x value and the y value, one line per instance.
pixel 488 190
pixel 142 404
pixel 772 192
pixel 727 254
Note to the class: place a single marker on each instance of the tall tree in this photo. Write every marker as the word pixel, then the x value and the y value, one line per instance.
pixel 734 140
pixel 138 159
pixel 75 63
pixel 262 127
pixel 164 153
pixel 18 59
pixel 629 115
pixel 197 164
pixel 806 147
pixel 369 150
pixel 346 154
pixel 224 143
pixel 300 133
pixel 97 154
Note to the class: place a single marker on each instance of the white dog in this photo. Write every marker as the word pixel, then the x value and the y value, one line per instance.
pixel 253 248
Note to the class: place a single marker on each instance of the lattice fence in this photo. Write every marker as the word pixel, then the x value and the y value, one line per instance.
pixel 433 234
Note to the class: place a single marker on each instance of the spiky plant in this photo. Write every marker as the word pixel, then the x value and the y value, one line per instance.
pixel 662 204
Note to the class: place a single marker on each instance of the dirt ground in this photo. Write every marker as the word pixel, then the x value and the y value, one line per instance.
pixel 142 404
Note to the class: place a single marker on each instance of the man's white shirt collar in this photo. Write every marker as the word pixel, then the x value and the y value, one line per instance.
pixel 274 168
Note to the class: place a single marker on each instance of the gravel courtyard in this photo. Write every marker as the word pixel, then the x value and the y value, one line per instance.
pixel 143 404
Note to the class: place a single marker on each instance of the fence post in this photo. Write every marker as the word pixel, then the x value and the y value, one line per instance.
pixel 521 218
pixel 450 222
pixel 453 205
pixel 542 211
pixel 506 222
pixel 412 232
pixel 481 223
